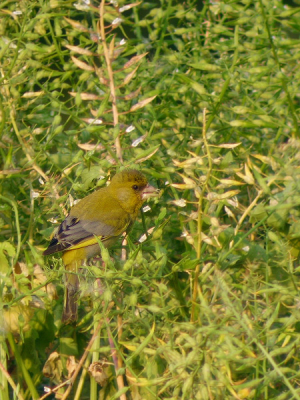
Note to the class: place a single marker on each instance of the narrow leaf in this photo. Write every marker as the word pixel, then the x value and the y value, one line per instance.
pixel 112 46
pixel 76 25
pixel 86 96
pixel 223 196
pixel 132 95
pixel 128 77
pixel 203 66
pixel 227 145
pixel 129 6
pixel 82 65
pixel 200 89
pixel 134 60
pixel 143 344
pixel 29 95
pixel 141 104
pixel 231 182
pixel 79 50
pixel 183 186
pixel 146 155
pixel 90 146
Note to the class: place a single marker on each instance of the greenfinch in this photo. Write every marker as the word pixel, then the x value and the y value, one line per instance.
pixel 103 215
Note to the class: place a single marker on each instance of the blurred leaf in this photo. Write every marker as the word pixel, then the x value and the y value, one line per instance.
pixel 141 104
pixel 258 213
pixel 6 249
pixel 80 50
pixel 134 60
pixel 204 66
pixel 82 65
pixel 146 154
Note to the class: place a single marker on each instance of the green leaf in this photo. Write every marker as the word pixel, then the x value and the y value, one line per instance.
pixel 258 213
pixel 6 249
pixel 204 66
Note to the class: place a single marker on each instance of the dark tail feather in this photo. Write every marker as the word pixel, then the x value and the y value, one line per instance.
pixel 70 312
pixel 54 247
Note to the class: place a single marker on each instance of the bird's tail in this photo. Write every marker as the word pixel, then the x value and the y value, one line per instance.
pixel 70 310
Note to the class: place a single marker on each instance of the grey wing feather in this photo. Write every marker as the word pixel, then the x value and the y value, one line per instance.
pixel 72 231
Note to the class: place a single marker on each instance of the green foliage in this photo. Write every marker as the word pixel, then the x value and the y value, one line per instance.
pixel 205 100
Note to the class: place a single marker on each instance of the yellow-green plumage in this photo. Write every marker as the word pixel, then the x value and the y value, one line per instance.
pixel 106 213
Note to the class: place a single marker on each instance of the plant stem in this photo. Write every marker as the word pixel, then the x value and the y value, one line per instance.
pixel 196 287
pixel 111 80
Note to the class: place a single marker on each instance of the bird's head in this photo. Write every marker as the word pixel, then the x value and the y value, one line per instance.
pixel 131 188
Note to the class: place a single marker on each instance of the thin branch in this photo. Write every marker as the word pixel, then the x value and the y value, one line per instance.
pixel 82 360
pixel 199 225
pixel 71 381
pixel 247 211
pixel 11 382
pixel 111 80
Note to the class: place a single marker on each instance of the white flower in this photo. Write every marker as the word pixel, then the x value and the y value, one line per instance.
pixel 93 121
pixel 143 238
pixel 137 141
pixel 130 129
pixel 124 8
pixel 81 7
pixel 34 194
pixel 117 21
pixel 179 203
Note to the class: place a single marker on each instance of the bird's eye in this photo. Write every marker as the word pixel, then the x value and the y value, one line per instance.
pixel 135 187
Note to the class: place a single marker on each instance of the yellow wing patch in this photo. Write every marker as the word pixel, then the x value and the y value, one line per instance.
pixel 88 242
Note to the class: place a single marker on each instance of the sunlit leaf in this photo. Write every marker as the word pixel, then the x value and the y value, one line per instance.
pixel 80 50
pixel 146 154
pixel 82 65
pixel 134 60
pixel 86 96
pixel 141 104
pixel 76 25
pixel 129 77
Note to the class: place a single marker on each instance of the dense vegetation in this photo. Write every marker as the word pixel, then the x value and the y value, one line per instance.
pixel 202 301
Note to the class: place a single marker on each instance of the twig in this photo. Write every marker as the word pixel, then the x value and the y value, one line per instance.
pixel 117 360
pixel 119 364
pixel 111 80
pixel 11 382
pixel 55 389
pixel 71 380
pixel 199 225
pixel 120 379
pixel 246 212
pixel 77 395
pixel 31 387
pixel 81 362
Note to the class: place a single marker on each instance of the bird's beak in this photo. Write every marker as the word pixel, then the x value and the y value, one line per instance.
pixel 149 191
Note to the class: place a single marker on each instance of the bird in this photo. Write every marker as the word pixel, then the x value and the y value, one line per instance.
pixel 103 215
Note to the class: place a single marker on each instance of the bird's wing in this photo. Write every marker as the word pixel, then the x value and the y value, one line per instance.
pixel 74 233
